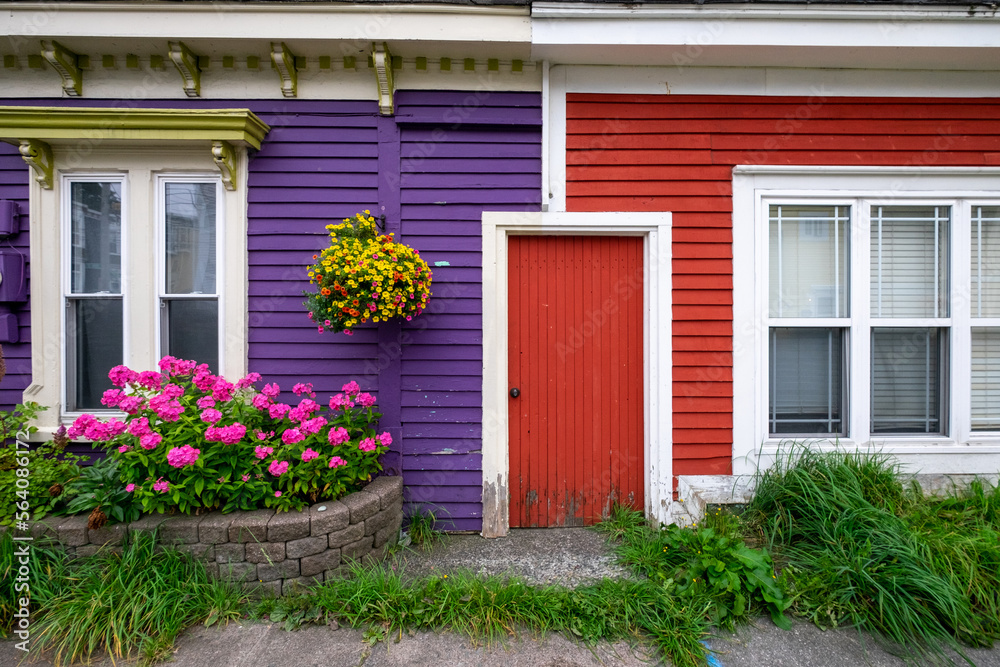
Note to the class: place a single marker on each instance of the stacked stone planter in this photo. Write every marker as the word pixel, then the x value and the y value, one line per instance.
pixel 261 549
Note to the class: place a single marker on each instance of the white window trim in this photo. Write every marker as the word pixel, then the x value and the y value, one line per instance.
pixel 655 228
pixel 963 453
pixel 141 164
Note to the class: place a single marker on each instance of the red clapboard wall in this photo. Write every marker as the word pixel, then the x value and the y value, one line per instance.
pixel 676 153
pixel 575 355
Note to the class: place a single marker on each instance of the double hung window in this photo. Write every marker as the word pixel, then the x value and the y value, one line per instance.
pixel 109 227
pixel 883 317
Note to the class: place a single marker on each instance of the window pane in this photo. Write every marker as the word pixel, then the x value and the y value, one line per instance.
pixel 95 346
pixel 192 330
pixel 907 377
pixel 96 238
pixel 807 369
pixel 985 379
pixel 809 256
pixel 190 231
pixel 909 261
pixel 986 261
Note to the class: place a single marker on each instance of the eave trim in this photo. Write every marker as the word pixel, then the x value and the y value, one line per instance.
pixel 237 126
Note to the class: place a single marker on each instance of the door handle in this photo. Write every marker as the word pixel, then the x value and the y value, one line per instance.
pixel 515 392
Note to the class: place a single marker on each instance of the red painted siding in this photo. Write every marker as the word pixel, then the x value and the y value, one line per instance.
pixel 676 153
pixel 575 353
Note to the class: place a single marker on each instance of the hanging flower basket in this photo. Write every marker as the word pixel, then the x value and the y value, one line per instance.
pixel 364 276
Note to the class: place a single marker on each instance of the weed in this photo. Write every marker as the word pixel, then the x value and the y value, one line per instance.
pixel 422 528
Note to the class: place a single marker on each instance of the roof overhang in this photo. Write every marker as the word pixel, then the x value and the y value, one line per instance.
pixel 758 35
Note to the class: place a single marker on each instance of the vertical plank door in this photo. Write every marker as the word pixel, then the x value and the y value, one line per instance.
pixel 575 355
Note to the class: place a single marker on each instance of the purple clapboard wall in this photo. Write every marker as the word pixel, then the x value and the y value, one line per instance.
pixel 462 153
pixel 14 187
pixel 444 159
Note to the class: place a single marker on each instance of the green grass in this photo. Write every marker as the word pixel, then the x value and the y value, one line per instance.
pixel 128 605
pixel 422 528
pixel 492 609
pixel 861 548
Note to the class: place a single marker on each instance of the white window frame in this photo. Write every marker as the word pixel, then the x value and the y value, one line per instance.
pixel 144 167
pixel 958 450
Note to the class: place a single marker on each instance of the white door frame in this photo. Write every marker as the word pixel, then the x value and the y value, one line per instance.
pixel 655 229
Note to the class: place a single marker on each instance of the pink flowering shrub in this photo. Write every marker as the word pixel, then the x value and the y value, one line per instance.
pixel 193 441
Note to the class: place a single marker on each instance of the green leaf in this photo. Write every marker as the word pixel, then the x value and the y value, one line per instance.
pixel 199 486
pixel 780 620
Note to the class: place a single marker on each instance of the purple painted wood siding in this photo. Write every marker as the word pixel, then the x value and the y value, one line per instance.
pixel 14 187
pixel 462 154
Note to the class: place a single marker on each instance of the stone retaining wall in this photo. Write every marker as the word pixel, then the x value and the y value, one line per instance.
pixel 263 549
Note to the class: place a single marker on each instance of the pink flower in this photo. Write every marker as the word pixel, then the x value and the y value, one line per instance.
pixel 303 410
pixel 112 397
pixel 161 485
pixel 150 440
pixel 262 452
pixel 313 426
pixel 338 436
pixel 222 390
pixel 309 455
pixel 278 468
pixel 260 401
pixel 180 457
pixel 351 388
pixel 150 379
pixel 132 404
pixel 228 435
pixel 206 402
pixel 278 410
pixel 277 494
pixel 129 488
pixel 116 427
pixel 263 436
pixel 98 431
pixel 80 425
pixel 243 383
pixel 139 427
pixel 122 375
pixel 292 435
pixel 366 400
pixel 173 391
pixel 336 461
pixel 340 402
pixel 211 416
pixel 367 445
pixel 166 363
pixel 173 366
pixel 385 439
pixel 271 390
pixel 301 388
pixel 123 449
pixel 246 478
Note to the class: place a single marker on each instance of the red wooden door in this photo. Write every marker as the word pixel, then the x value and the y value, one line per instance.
pixel 575 354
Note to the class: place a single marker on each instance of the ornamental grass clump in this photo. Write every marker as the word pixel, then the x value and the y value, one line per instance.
pixel 365 276
pixel 193 441
pixel 859 548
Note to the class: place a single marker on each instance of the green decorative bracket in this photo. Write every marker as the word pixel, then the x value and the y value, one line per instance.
pixel 38 155
pixel 187 64
pixel 382 60
pixel 225 159
pixel 284 62
pixel 66 63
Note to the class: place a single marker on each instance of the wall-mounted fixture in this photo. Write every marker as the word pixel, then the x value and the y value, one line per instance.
pixel 9 217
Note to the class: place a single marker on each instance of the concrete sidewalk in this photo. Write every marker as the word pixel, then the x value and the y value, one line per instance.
pixel 568 556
